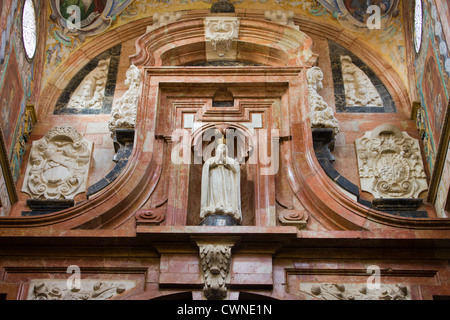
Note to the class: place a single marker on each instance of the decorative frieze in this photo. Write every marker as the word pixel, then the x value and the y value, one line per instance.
pixel 221 35
pixel 163 19
pixel 390 163
pixel 359 90
pixel 87 289
pixel 282 17
pixel 339 291
pixel 322 116
pixel 123 115
pixel 58 165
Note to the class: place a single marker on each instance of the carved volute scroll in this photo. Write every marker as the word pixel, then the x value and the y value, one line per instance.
pixel 390 163
pixel 123 115
pixel 322 116
pixel 58 165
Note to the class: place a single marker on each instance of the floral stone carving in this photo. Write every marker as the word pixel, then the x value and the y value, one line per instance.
pixel 339 291
pixel 124 110
pixel 322 116
pixel 215 262
pixel 282 17
pixel 221 35
pixel 87 289
pixel 390 163
pixel 163 19
pixel 91 91
pixel 359 90
pixel 58 165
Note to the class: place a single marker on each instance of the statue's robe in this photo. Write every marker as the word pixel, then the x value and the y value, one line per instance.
pixel 221 190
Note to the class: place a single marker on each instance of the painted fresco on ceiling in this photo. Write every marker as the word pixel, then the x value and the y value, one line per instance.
pixel 83 18
pixel 354 14
pixel 388 42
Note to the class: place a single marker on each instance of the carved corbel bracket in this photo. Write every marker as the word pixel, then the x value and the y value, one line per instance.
pixel 215 256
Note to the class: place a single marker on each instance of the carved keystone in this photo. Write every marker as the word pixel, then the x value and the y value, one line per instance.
pixel 221 35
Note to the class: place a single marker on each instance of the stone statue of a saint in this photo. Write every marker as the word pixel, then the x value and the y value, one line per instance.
pixel 221 191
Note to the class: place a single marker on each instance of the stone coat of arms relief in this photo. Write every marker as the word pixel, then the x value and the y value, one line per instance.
pixel 58 165
pixel 390 164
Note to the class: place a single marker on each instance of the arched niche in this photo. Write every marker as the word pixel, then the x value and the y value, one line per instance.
pixel 241 142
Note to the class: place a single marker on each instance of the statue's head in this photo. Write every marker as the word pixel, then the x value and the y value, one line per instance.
pixel 222 149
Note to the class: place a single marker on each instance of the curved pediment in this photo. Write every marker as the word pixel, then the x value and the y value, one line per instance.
pixel 224 37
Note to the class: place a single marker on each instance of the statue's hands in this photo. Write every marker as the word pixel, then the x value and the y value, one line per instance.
pixel 229 166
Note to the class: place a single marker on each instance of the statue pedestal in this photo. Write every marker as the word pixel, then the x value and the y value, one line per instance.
pixel 219 220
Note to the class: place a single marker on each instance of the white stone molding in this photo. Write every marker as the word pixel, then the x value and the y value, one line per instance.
pixel 354 291
pixel 282 17
pixel 58 165
pixel 390 163
pixel 123 114
pixel 163 19
pixel 221 35
pixel 322 116
pixel 87 290
pixel 91 91
pixel 359 90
